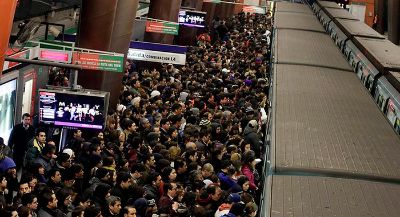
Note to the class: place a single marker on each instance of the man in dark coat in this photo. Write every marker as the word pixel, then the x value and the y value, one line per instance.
pixel 251 137
pixel 20 136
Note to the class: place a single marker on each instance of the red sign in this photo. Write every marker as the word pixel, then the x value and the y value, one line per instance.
pixel 166 28
pixel 55 56
pixel 21 55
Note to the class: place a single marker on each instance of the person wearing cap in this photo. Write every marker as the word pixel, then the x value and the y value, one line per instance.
pixel 20 135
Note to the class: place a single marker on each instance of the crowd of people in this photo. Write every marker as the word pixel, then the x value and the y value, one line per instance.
pixel 183 141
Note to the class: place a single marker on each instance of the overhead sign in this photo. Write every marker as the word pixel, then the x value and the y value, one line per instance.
pixel 254 9
pixel 99 61
pixel 165 28
pixel 55 55
pixel 192 18
pixel 156 56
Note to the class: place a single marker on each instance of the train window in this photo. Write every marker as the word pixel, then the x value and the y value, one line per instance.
pixel 385 106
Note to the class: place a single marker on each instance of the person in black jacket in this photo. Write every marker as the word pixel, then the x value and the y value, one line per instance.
pixel 20 136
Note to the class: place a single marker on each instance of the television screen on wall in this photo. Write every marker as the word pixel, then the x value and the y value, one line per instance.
pixel 192 18
pixel 8 92
pixel 73 109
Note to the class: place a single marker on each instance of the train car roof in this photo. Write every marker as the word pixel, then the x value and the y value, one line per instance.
pixel 310 196
pixel 292 7
pixel 327 123
pixel 328 4
pixel 289 20
pixel 383 51
pixel 339 13
pixel 299 47
pixel 358 28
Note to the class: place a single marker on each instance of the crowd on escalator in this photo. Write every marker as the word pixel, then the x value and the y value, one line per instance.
pixel 183 141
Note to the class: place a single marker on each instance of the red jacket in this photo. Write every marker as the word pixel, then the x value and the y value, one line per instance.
pixel 250 175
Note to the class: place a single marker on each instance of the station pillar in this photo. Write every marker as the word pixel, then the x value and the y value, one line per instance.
pixel 225 10
pixel 209 8
pixel 380 13
pixel 163 10
pixel 106 25
pixel 7 11
pixel 394 21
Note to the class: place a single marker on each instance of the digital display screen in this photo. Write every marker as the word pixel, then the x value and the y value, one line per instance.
pixel 8 92
pixel 71 109
pixel 192 18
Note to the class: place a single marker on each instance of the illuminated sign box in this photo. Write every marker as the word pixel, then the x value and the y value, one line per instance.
pixel 192 18
pixel 55 55
pixel 95 61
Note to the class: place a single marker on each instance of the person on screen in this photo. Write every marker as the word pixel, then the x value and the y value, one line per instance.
pixel 21 134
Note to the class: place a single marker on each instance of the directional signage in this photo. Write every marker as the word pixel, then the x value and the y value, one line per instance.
pixel 99 61
pixel 25 54
pixel 156 56
pixel 166 28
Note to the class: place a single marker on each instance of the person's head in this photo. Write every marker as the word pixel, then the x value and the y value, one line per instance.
pixel 165 124
pixel 29 200
pixel 78 211
pixel 49 151
pixel 49 200
pixel 40 135
pixel 170 189
pixel 180 166
pixel 64 197
pixel 114 204
pixel 23 211
pixel 24 187
pixel 102 191
pixel 124 180
pixel 214 191
pixel 95 149
pixel 26 119
pixel 64 160
pixel 154 179
pixel 207 170
pixel 92 211
pixel 55 175
pixel 244 183
pixel 251 209
pixel 137 170
pixel 149 160
pixel 168 174
pixel 237 209
pixel 3 182
pixel 77 133
pixel 129 211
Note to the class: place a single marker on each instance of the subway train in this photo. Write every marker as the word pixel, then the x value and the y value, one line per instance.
pixel 332 152
pixel 375 59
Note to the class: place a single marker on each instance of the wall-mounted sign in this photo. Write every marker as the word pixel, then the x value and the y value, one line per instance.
pixel 156 56
pixel 55 55
pixel 165 28
pixel 254 9
pixel 99 61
